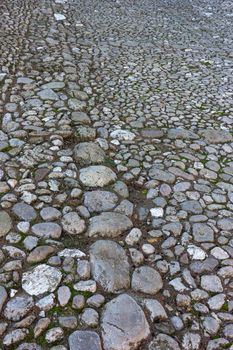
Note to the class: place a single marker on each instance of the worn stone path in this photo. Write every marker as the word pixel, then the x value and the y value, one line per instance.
pixel 116 174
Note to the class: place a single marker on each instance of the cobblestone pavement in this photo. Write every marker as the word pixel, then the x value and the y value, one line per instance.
pixel 116 174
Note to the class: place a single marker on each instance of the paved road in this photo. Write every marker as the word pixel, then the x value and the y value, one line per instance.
pixel 116 175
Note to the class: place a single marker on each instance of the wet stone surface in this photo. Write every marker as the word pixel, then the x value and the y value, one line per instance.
pixel 116 175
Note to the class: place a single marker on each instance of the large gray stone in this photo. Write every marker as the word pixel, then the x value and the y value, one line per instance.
pixel 192 206
pixel 123 324
pixel 86 153
pixel 18 307
pixel 24 211
pixel 47 230
pixel 98 201
pixel 212 136
pixel 48 94
pixel 109 266
pixel 5 223
pixel 84 340
pixel 155 309
pixel 109 224
pixel 225 224
pixel 161 175
pixel 152 133
pixel 178 133
pixel 145 279
pixel 97 176
pixel 203 233
pixel 211 283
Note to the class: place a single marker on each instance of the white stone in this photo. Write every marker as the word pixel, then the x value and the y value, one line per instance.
pixel 86 286
pixel 72 253
pixel 134 236
pixel 178 285
pixel 28 197
pixel 43 278
pixel 123 135
pixel 23 226
pixel 157 212
pixel 59 17
pixel 148 249
pixel 196 253
pixel 155 309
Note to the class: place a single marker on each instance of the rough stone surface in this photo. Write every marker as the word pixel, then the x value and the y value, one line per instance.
pixel 41 279
pixel 98 201
pixel 97 176
pixel 87 153
pixel 116 174
pixel 84 340
pixel 24 211
pixel 5 223
pixel 146 280
pixel 18 307
pixel 73 224
pixel 109 266
pixel 123 324
pixel 109 225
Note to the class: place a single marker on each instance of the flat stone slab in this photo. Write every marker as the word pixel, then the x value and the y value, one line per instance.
pixel 123 324
pixel 109 224
pixel 145 279
pixel 24 211
pixel 161 175
pixel 97 176
pixel 48 94
pixel 47 230
pixel 109 266
pixel 5 223
pixel 211 283
pixel 225 224
pixel 203 233
pixel 179 133
pixel 42 279
pixel 84 340
pixel 152 133
pixel 213 136
pixel 87 153
pixel 18 307
pixel 98 201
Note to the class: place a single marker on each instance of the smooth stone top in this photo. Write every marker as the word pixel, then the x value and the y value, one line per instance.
pixel 109 265
pixel 5 223
pixel 109 224
pixel 216 136
pixel 97 176
pixel 88 153
pixel 98 201
pixel 123 324
pixel 24 211
pixel 145 279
